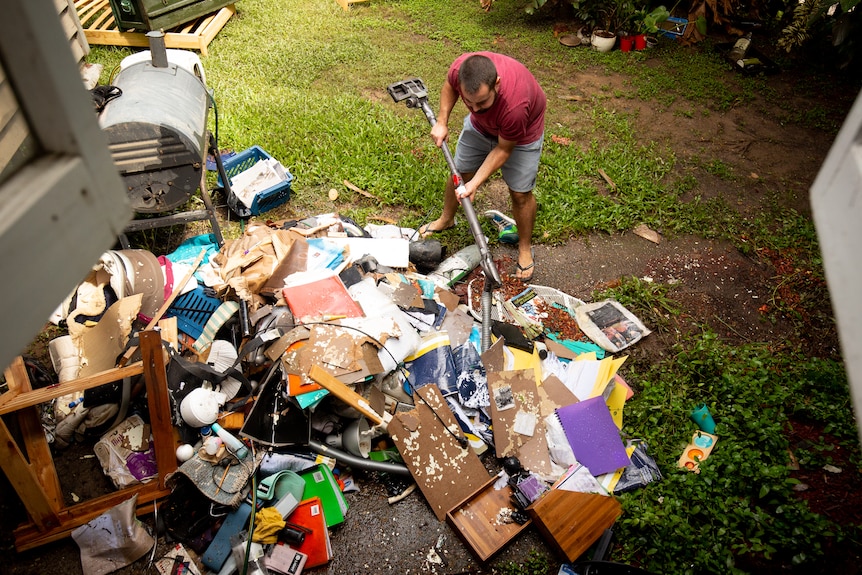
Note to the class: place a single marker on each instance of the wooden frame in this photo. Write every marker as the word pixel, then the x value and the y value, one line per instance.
pixel 100 28
pixel 347 4
pixel 31 470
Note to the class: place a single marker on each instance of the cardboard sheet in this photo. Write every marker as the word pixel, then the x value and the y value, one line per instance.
pixel 104 342
pixel 445 472
pixel 519 428
pixel 390 252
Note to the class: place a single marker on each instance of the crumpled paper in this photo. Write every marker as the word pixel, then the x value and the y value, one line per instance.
pixel 112 540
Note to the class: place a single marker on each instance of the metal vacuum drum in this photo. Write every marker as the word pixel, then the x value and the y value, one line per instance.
pixel 157 135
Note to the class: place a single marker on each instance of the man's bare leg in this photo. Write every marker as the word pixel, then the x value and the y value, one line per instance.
pixel 524 212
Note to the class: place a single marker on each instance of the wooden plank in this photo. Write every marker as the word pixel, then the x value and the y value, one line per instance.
pixel 28 536
pixel 159 403
pixel 26 483
pixel 214 26
pixel 39 454
pixel 170 332
pixel 90 9
pixel 35 442
pixel 347 395
pixel 44 394
pixel 14 374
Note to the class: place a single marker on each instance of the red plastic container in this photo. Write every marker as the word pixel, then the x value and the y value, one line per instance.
pixel 626 43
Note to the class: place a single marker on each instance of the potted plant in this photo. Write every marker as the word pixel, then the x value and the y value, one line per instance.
pixel 647 23
pixel 603 40
pixel 614 18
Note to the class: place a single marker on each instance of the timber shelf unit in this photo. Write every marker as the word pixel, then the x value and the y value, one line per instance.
pixel 347 4
pixel 30 467
pixel 101 28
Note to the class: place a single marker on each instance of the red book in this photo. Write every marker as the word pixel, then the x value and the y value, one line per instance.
pixel 316 545
pixel 318 294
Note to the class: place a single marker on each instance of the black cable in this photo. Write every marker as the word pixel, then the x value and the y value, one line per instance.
pixel 215 112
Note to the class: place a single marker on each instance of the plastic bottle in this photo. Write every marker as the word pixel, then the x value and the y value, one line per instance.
pixel 740 48
pixel 749 62
pixel 235 445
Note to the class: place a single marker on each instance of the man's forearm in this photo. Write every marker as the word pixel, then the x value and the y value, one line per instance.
pixel 448 98
pixel 493 162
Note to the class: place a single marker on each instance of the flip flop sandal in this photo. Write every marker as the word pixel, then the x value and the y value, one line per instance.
pixel 529 268
pixel 424 232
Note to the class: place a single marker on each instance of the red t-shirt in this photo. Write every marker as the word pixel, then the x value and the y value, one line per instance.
pixel 518 113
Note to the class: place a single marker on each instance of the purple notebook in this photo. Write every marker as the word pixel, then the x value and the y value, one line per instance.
pixel 594 437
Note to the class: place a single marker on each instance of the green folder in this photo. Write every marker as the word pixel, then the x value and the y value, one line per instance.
pixel 320 482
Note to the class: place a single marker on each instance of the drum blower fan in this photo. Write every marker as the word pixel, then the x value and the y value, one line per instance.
pixel 157 135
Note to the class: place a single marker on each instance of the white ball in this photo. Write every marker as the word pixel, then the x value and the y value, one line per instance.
pixel 185 452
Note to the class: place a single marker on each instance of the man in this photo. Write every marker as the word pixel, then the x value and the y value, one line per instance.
pixel 504 131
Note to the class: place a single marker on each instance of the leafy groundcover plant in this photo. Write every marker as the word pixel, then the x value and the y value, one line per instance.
pixel 741 506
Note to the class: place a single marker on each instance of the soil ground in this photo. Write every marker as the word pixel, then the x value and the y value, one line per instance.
pixel 772 158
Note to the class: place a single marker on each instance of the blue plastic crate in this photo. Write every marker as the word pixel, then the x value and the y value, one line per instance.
pixel 193 310
pixel 673 27
pixel 264 201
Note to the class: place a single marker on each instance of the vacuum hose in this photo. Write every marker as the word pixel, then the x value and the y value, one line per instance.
pixel 359 462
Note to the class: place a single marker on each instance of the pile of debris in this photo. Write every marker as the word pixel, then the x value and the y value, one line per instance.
pixel 307 347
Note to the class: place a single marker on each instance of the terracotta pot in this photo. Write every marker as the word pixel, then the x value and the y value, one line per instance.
pixel 640 42
pixel 626 43
pixel 603 41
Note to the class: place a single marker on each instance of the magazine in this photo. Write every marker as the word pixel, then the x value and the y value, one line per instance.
pixel 610 325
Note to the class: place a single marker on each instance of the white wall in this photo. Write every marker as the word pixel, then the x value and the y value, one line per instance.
pixel 836 200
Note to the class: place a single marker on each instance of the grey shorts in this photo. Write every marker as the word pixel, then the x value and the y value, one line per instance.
pixel 519 171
